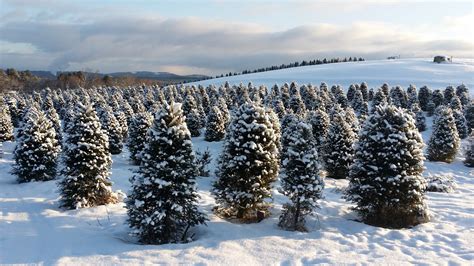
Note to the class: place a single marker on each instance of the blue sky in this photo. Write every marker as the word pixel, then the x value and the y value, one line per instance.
pixel 212 37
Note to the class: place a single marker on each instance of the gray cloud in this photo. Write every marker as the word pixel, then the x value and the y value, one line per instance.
pixel 130 43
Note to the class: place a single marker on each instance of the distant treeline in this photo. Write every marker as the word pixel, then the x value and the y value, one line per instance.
pixel 290 65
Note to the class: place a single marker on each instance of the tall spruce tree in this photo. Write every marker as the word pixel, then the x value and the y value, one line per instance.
pixel 385 180
pixel 248 165
pixel 301 182
pixel 162 205
pixel 87 163
pixel 338 149
pixel 444 141
pixel 37 150
pixel 139 126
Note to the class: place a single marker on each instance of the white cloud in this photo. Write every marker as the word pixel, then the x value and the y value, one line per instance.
pixel 195 45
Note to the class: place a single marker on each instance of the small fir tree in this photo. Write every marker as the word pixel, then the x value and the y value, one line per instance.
pixel 111 125
pixel 248 165
pixel 385 180
pixel 424 97
pixel 87 163
pixel 53 116
pixel 193 120
pixel 461 124
pixel 319 121
pixel 469 115
pixel 444 142
pixel 162 205
pixel 420 120
pixel 37 150
pixel 6 125
pixel 338 150
pixel 139 126
pixel 437 98
pixel 301 182
pixel 215 125
pixel 449 93
pixel 379 99
pixel 469 160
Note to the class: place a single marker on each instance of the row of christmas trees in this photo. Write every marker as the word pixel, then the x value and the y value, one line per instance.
pixel 250 161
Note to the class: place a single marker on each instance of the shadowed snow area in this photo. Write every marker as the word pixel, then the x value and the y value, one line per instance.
pixel 34 230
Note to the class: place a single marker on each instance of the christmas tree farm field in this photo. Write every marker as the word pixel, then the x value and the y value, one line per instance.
pixel 33 229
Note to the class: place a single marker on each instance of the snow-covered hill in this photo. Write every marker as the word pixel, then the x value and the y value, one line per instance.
pixel 402 72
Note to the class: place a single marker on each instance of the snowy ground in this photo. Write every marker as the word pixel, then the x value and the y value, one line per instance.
pixel 33 230
pixel 401 72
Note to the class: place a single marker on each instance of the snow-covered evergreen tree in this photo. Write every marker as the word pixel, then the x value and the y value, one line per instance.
pixel 319 121
pixel 449 93
pixel 139 126
pixel 112 127
pixel 444 141
pixel 248 165
pixel 469 115
pixel 437 98
pixel 420 120
pixel 352 120
pixel 360 107
pixel 122 120
pixel 279 108
pixel 371 94
pixel 338 149
pixel 275 121
pixel 350 92
pixel 340 98
pixel 301 182
pixel 37 150
pixel 286 125
pixel 469 160
pixel 162 205
pixel 398 97
pixel 87 163
pixel 6 125
pixel 424 97
pixel 379 99
pixel 412 96
pixel 461 124
pixel 385 180
pixel 53 116
pixel 193 120
pixel 224 110
pixel 430 108
pixel 297 105
pixel 456 104
pixel 215 125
